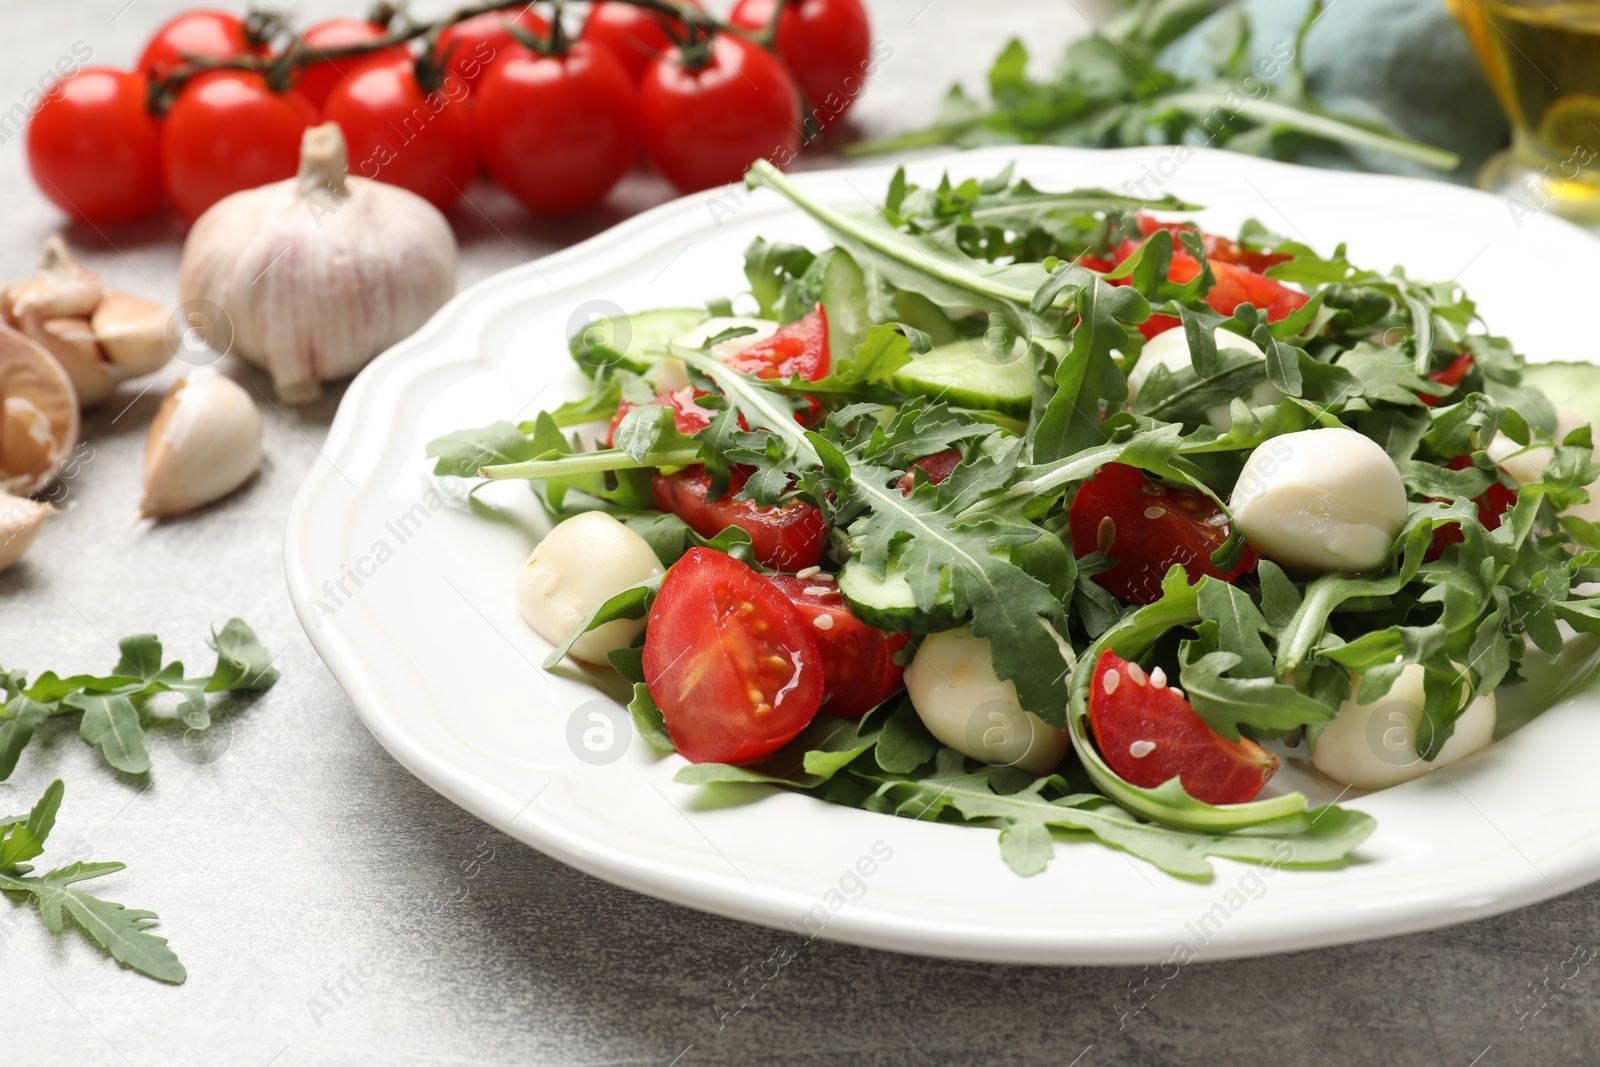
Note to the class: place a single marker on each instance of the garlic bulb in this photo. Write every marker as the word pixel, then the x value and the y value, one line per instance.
pixel 38 415
pixel 20 520
pixel 204 443
pixel 320 273
pixel 99 337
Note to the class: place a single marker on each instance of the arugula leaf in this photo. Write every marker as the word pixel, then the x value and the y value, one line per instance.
pixel 118 930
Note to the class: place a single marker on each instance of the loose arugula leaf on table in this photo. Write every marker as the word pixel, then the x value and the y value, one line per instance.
pixel 120 931
pixel 110 704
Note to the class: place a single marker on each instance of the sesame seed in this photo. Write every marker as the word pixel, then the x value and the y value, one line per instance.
pixel 1154 512
pixel 1111 681
pixel 1105 534
pixel 1177 692
pixel 1158 678
pixel 1022 487
pixel 822 622
pixel 1141 749
pixel 808 572
pixel 1136 673
pixel 820 590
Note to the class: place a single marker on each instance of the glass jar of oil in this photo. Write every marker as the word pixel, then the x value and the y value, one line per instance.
pixel 1542 59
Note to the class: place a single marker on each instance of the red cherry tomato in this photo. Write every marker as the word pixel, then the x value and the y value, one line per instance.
pixel 470 47
pixel 1218 249
pixel 557 131
pixel 858 667
pixel 1492 507
pixel 397 133
pixel 730 662
pixel 321 79
pixel 1450 375
pixel 797 348
pixel 1147 527
pixel 703 126
pixel 1150 735
pixel 95 150
pixel 687 414
pixel 202 34
pixel 939 466
pixel 228 131
pixel 634 35
pixel 827 45
pixel 1235 285
pixel 787 537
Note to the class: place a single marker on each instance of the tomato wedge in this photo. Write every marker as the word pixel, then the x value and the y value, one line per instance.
pixel 729 660
pixel 1492 506
pixel 798 348
pixel 787 537
pixel 939 466
pixel 1149 734
pixel 1235 285
pixel 858 667
pixel 1218 249
pixel 687 415
pixel 1450 375
pixel 1147 527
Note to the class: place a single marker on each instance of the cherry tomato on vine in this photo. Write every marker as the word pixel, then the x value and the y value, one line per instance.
pixel 635 35
pixel 729 660
pixel 557 132
pixel 703 125
pixel 229 131
pixel 207 34
pixel 826 43
pixel 397 133
pixel 321 79
pixel 94 148
pixel 470 47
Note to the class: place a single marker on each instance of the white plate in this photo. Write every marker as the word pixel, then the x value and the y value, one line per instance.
pixel 408 599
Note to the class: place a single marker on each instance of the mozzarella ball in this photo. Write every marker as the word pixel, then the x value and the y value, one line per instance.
pixel 1171 350
pixel 582 563
pixel 1373 746
pixel 1527 464
pixel 952 685
pixel 1321 500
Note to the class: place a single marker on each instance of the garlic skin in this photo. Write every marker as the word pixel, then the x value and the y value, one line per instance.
pixel 320 273
pixel 62 288
pixel 39 419
pixel 20 522
pixel 204 443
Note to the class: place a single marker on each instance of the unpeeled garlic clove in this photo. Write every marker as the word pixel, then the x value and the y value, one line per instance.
pixel 38 415
pixel 62 288
pixel 132 332
pixel 204 443
pixel 72 343
pixel 20 522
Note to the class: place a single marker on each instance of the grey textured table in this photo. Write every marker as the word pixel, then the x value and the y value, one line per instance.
pixel 332 909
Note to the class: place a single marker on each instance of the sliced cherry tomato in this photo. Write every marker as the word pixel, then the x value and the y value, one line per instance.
pixel 202 34
pixel 94 148
pixel 729 660
pixel 703 125
pixel 470 47
pixel 1218 249
pixel 557 132
pixel 939 466
pixel 827 45
pixel 1235 285
pixel 1450 375
pixel 1492 506
pixel 858 667
pixel 687 414
pixel 634 34
pixel 797 348
pixel 319 80
pixel 229 131
pixel 1147 527
pixel 397 133
pixel 1150 735
pixel 786 537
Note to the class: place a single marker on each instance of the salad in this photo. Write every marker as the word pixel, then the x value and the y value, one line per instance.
pixel 1049 511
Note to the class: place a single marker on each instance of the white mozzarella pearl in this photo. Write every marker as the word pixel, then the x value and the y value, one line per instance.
pixel 1373 746
pixel 1321 500
pixel 582 563
pixel 1528 464
pixel 1171 350
pixel 963 703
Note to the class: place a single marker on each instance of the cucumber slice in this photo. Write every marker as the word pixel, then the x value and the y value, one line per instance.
pixel 964 374
pixel 888 603
pixel 918 311
pixel 632 342
pixel 844 299
pixel 1574 386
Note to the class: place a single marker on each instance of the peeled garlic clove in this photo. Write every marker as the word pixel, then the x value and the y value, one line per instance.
pixel 20 521
pixel 132 332
pixel 204 443
pixel 39 415
pixel 72 344
pixel 62 289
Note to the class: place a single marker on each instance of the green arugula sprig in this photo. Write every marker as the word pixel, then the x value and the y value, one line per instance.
pixel 120 931
pixel 110 704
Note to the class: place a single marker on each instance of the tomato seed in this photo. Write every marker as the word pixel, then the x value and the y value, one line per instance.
pixel 1154 513
pixel 1155 489
pixel 1104 534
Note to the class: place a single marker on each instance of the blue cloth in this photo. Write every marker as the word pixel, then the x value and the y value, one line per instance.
pixel 1405 60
